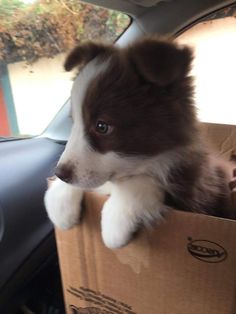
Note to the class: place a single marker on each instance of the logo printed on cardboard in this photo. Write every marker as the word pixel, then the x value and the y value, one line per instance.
pixel 206 251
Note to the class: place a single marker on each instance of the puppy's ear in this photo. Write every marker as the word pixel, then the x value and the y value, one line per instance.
pixel 85 52
pixel 161 62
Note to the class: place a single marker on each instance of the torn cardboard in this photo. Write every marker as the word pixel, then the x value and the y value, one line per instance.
pixel 186 265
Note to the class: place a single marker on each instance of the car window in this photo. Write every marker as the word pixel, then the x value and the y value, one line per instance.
pixel 214 66
pixel 34 39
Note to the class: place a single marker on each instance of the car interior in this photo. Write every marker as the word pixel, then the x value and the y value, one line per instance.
pixel 29 269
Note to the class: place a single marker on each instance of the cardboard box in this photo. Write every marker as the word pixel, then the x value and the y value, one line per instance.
pixel 222 138
pixel 185 265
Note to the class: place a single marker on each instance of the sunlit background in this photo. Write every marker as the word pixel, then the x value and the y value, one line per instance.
pixel 214 43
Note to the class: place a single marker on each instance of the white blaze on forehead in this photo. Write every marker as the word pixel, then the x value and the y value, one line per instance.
pixel 78 151
pixel 78 93
pixel 81 85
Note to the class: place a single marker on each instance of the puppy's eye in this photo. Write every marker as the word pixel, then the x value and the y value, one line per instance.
pixel 103 128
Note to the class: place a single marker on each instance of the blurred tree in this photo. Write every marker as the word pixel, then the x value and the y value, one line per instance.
pixel 45 28
pixel 7 7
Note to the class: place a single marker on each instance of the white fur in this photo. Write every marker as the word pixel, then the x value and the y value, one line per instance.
pixel 134 201
pixel 63 204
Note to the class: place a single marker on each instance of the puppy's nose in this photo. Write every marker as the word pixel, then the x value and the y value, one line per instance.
pixel 64 173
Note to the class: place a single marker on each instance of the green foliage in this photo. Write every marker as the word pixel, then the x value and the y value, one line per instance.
pixel 8 7
pixel 45 28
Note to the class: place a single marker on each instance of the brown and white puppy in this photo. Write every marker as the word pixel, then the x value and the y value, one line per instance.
pixel 135 126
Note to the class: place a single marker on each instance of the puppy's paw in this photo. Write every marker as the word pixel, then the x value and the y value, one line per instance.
pixel 63 204
pixel 117 228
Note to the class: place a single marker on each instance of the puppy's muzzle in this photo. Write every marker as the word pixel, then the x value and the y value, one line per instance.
pixel 64 172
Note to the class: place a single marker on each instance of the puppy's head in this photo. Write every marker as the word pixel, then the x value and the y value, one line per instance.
pixel 128 105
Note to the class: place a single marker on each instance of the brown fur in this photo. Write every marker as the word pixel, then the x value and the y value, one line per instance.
pixel 84 53
pixel 146 94
pixel 143 112
pixel 200 184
